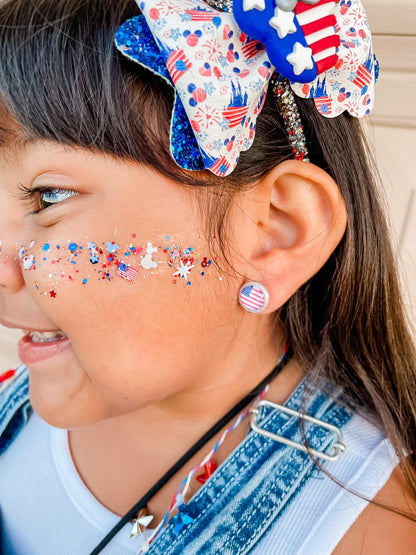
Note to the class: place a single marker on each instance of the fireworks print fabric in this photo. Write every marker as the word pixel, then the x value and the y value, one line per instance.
pixel 349 85
pixel 219 73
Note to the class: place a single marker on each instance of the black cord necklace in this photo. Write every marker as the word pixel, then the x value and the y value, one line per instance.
pixel 194 449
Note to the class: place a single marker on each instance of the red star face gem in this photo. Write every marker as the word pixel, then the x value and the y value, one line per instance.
pixel 210 468
pixel 52 294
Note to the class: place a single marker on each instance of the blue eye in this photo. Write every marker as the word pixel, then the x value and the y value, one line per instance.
pixel 48 197
pixel 44 197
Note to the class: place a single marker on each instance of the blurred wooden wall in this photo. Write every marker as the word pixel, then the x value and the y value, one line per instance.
pixel 392 126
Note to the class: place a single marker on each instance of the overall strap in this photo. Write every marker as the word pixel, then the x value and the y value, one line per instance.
pixel 241 501
pixel 15 408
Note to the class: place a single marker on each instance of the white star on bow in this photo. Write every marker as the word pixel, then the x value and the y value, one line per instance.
pixel 283 22
pixel 184 270
pixel 300 58
pixel 254 5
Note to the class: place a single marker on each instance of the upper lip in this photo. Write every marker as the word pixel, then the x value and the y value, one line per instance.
pixel 23 327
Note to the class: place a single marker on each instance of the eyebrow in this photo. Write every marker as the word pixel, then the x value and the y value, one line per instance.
pixel 13 144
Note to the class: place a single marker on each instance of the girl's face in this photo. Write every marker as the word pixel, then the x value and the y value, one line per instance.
pixel 115 257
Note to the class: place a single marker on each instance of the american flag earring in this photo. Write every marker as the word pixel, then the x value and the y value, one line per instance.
pixel 254 297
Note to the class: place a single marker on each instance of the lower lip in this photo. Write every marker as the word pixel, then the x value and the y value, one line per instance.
pixel 31 352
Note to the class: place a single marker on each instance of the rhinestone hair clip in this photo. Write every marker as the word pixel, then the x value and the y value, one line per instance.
pixel 286 103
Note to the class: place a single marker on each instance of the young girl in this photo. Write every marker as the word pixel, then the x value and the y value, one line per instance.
pixel 215 354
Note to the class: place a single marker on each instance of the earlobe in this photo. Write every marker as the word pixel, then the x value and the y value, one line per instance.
pixel 301 217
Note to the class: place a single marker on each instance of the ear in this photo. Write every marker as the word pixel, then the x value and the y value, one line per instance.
pixel 293 220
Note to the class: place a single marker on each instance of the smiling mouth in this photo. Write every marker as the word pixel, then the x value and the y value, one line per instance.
pixel 46 336
pixel 38 346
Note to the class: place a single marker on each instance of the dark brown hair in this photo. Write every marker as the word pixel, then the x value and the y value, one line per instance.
pixel 62 79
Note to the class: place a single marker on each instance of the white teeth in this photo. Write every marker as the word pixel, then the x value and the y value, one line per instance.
pixel 46 336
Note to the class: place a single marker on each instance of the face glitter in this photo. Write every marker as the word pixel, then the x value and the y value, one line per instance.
pixel 104 259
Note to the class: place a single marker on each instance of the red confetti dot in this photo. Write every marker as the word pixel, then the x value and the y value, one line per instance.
pixel 133 235
pixel 154 13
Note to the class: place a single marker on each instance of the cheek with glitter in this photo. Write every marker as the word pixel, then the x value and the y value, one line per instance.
pixel 109 260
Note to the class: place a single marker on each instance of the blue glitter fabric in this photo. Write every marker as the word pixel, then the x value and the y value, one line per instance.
pixel 135 40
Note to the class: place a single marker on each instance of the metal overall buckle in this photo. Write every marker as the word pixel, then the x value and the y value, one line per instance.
pixel 338 446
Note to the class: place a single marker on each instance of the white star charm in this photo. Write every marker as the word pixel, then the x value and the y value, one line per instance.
pixel 254 5
pixel 283 22
pixel 184 270
pixel 300 58
pixel 144 522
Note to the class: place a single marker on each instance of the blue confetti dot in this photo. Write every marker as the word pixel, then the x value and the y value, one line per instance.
pixel 73 247
pixel 46 247
pixel 189 283
pixel 84 281
pixel 167 237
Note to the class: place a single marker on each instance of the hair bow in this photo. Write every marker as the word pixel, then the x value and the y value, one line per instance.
pixel 323 47
pixel 219 75
pixel 219 64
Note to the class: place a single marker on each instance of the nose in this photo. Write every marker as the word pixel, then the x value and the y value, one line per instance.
pixel 11 276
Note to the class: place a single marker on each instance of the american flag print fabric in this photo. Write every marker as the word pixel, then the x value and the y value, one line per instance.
pixel 254 297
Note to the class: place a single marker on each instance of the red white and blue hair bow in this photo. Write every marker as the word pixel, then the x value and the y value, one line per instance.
pixel 219 64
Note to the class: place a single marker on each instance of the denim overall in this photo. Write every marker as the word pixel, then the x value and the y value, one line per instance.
pixel 242 500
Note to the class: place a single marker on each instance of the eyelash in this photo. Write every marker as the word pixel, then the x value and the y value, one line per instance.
pixel 30 195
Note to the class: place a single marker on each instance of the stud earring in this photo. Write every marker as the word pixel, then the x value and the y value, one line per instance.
pixel 254 297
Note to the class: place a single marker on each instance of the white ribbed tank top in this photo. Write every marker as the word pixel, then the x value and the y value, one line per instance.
pixel 46 509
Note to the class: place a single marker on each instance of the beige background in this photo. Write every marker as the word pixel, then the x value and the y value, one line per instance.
pixel 392 130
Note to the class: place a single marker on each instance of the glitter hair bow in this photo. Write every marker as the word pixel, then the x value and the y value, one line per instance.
pixel 220 55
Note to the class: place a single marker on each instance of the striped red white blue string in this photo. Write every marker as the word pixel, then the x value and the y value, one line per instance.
pixel 179 499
